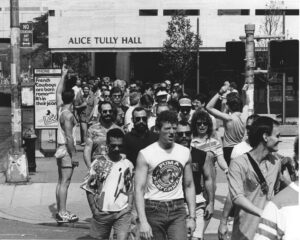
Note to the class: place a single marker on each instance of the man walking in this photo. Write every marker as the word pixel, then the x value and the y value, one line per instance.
pixel 96 136
pixel 163 170
pixel 253 177
pixel 140 136
pixel 66 151
pixel 203 171
pixel 110 196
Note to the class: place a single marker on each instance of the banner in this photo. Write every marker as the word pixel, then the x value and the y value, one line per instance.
pixel 45 99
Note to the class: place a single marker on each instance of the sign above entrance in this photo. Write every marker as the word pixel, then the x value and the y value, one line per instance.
pixel 71 32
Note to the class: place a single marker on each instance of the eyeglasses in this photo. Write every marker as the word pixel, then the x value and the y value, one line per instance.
pixel 202 123
pixel 185 109
pixel 106 111
pixel 106 96
pixel 137 119
pixel 186 134
pixel 116 96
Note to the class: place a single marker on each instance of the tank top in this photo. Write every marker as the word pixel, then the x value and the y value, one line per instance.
pixel 235 132
pixel 165 172
pixel 61 136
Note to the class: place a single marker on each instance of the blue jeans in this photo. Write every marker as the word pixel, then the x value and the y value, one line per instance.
pixel 167 219
pixel 102 224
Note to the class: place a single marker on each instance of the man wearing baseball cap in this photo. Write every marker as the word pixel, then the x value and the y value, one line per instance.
pixel 186 112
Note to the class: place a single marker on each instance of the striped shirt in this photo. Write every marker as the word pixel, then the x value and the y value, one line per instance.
pixel 281 216
pixel 208 144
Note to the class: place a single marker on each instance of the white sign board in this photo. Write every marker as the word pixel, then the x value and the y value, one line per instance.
pixel 45 101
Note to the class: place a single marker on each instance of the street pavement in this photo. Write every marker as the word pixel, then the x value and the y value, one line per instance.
pixel 34 202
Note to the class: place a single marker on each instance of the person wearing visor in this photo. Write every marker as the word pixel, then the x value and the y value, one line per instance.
pixel 186 112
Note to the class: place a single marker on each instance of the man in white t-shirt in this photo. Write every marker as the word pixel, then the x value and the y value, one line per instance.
pixel 109 190
pixel 163 170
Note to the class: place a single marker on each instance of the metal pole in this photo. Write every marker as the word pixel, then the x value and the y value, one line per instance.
pixel 250 64
pixel 283 24
pixel 198 60
pixel 15 76
pixel 283 97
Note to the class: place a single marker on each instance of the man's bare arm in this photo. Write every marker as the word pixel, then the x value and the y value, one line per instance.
pixel 247 206
pixel 209 172
pixel 140 183
pixel 61 87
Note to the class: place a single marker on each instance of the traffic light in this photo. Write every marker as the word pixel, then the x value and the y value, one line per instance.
pixel 235 52
pixel 284 54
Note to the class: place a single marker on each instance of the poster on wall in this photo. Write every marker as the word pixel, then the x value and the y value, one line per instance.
pixel 46 81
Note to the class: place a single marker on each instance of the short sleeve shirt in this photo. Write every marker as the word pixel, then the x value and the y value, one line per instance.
pixel 243 181
pixel 97 133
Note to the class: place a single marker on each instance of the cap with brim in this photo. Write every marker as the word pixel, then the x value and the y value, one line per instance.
pixel 161 93
pixel 185 102
pixel 168 82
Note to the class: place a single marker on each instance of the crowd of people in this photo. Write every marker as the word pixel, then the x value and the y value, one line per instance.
pixel 151 153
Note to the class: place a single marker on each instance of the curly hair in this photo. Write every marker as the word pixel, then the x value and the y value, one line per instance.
pixel 166 117
pixel 202 115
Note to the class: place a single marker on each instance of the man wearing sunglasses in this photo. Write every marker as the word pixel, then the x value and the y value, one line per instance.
pixel 110 189
pixel 96 135
pixel 203 171
pixel 140 136
pixel 116 99
pixel 254 177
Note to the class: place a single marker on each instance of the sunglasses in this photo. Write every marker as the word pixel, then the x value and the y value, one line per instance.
pixel 137 119
pixel 186 133
pixel 202 123
pixel 105 96
pixel 185 109
pixel 106 111
pixel 113 146
pixel 116 96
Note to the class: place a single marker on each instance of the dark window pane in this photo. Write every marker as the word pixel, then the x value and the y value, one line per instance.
pixel 187 12
pixel 233 12
pixel 291 12
pixel 148 12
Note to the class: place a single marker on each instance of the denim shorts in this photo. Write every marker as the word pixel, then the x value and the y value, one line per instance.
pixel 167 219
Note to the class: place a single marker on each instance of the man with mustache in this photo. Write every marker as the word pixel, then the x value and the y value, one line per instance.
pixel 159 197
pixel 254 177
pixel 140 136
pixel 110 189
pixel 96 136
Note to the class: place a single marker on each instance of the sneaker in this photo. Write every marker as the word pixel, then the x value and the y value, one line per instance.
pixel 66 217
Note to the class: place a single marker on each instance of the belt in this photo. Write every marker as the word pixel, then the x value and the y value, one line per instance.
pixel 175 201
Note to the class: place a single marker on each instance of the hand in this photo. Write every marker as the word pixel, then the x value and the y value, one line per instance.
pixel 75 163
pixel 146 231
pixel 223 89
pixel 190 225
pixel 64 70
pixel 223 231
pixel 209 211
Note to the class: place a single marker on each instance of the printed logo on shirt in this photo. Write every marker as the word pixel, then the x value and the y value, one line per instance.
pixel 166 175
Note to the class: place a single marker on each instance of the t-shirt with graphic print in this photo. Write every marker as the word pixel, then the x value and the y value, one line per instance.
pixel 113 184
pixel 165 171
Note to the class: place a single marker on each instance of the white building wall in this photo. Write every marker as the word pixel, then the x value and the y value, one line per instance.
pixel 119 18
